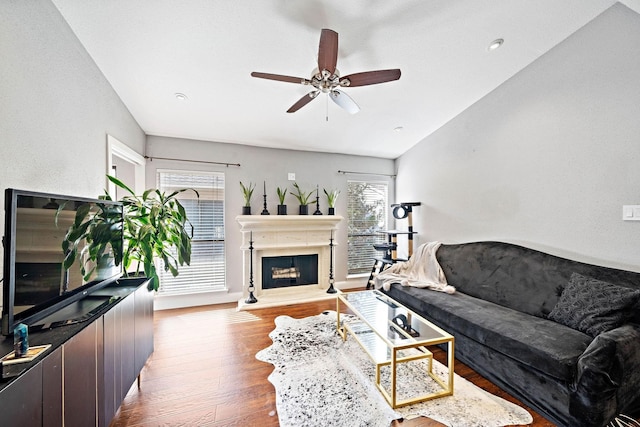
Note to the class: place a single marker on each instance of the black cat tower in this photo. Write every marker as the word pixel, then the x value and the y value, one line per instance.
pixel 389 249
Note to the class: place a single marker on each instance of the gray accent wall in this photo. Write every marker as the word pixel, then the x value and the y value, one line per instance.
pixel 56 107
pixel 257 165
pixel 548 158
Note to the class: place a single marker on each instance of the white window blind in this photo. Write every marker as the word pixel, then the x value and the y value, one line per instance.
pixel 207 270
pixel 366 216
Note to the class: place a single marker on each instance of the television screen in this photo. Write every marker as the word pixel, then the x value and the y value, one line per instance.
pixel 55 248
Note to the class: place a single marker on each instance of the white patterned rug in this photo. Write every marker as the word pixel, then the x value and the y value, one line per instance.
pixel 322 381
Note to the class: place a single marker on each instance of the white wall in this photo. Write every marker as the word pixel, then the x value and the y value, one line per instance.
pixel 258 165
pixel 56 107
pixel 548 158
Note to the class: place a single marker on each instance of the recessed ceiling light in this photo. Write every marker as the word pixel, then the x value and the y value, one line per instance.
pixel 398 129
pixel 181 96
pixel 495 44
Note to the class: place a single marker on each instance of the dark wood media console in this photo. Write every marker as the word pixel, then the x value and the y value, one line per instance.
pixel 82 379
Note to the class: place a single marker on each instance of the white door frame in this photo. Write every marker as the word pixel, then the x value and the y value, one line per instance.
pixel 117 148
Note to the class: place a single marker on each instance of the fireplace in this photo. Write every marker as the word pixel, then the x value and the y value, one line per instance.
pixel 294 240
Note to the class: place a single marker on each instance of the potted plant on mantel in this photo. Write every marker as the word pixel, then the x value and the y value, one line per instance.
pixel 282 208
pixel 155 227
pixel 332 197
pixel 303 199
pixel 247 193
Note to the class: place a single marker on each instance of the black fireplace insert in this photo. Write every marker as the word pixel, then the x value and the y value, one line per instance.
pixel 294 270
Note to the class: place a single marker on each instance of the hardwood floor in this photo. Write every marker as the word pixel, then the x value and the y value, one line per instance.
pixel 204 371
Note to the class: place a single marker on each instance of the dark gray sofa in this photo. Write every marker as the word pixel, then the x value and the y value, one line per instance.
pixel 499 318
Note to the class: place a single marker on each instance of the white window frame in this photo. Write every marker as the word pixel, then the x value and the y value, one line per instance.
pixel 214 273
pixel 360 251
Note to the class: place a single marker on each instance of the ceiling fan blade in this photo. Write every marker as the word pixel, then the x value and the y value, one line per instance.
pixel 370 78
pixel 344 101
pixel 328 51
pixel 280 78
pixel 303 101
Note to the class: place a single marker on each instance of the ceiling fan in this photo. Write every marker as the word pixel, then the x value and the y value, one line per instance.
pixel 326 78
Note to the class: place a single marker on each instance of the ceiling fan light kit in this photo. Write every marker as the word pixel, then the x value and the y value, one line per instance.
pixel 326 77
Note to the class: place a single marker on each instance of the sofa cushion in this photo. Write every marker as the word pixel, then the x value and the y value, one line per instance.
pixel 593 306
pixel 544 345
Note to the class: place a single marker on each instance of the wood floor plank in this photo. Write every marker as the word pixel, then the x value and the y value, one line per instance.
pixel 203 371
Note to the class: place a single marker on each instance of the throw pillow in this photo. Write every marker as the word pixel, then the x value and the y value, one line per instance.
pixel 593 306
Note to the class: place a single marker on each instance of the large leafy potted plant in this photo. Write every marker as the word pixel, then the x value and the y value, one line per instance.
pixel 155 227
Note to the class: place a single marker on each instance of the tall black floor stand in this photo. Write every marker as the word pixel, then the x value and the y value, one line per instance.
pixel 331 289
pixel 251 299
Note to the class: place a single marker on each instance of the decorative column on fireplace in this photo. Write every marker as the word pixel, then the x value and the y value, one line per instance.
pixel 331 289
pixel 291 259
pixel 251 299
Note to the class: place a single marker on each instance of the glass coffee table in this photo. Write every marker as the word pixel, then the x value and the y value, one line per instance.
pixel 391 334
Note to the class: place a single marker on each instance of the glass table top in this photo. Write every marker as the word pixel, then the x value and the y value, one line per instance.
pixel 384 324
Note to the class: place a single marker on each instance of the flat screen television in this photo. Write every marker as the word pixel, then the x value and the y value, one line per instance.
pixel 36 281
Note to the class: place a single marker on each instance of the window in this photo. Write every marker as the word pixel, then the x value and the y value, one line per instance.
pixel 366 216
pixel 207 269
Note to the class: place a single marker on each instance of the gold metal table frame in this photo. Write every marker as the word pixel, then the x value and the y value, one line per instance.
pixel 384 338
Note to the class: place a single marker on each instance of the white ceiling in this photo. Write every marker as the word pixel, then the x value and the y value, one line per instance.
pixel 151 49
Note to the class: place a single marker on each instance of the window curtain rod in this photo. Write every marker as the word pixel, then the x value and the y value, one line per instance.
pixel 193 161
pixel 366 173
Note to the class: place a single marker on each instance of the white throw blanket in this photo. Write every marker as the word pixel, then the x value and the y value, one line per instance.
pixel 422 271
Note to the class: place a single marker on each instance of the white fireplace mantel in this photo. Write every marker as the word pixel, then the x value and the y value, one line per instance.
pixel 284 235
pixel 286 231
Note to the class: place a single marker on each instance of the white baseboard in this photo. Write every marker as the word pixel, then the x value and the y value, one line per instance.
pixel 168 302
pixel 354 282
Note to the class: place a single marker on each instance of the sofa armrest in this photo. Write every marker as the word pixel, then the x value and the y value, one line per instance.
pixel 608 375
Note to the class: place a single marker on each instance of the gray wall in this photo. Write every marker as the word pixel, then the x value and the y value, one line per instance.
pixel 548 158
pixel 271 165
pixel 56 107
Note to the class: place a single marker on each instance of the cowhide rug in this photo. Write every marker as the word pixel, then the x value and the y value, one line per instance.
pixel 322 381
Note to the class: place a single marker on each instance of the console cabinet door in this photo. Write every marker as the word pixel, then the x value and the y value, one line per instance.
pixel 52 389
pixel 144 326
pixel 21 401
pixel 127 346
pixel 80 372
pixel 111 370
pixel 118 371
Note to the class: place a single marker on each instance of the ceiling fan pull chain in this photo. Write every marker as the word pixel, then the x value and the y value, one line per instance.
pixel 327 107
